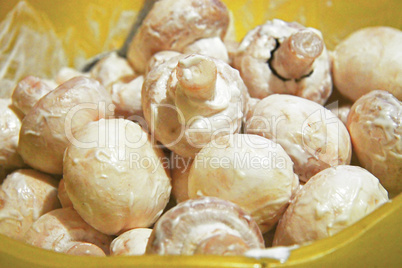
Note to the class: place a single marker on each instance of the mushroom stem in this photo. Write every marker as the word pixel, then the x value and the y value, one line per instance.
pixel 296 54
pixel 222 244
pixel 197 77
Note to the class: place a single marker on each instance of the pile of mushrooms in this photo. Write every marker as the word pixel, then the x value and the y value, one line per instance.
pixel 234 135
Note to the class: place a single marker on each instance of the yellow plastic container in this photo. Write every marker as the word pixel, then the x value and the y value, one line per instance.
pixel 85 28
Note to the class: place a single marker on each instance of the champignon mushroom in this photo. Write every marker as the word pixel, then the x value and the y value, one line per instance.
pixel 60 230
pixel 50 125
pixel 375 126
pixel 132 242
pixel 175 24
pixel 112 69
pixel 286 58
pixel 127 98
pixel 191 99
pixel 115 177
pixel 10 125
pixel 369 59
pixel 248 170
pixel 25 195
pixel 180 168
pixel 330 201
pixel 206 225
pixel 314 138
pixel 29 90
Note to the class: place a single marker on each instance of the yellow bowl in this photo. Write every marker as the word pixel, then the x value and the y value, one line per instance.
pixel 84 27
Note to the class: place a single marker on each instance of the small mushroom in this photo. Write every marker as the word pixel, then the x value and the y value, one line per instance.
pixel 29 90
pixel 67 73
pixel 248 170
pixel 191 99
pixel 127 98
pixel 115 177
pixel 10 125
pixel 180 168
pixel 132 242
pixel 25 195
pixel 206 225
pixel 175 24
pixel 369 59
pixel 330 201
pixel 375 126
pixel 112 69
pixel 285 58
pixel 60 230
pixel 314 138
pixel 63 196
pixel 50 125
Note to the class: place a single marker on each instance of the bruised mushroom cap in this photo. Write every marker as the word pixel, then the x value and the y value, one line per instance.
pixel 285 58
pixel 248 170
pixel 132 242
pixel 313 137
pixel 375 126
pixel 206 225
pixel 369 59
pixel 29 90
pixel 10 125
pixel 58 229
pixel 115 177
pixel 330 201
pixel 173 25
pixel 112 69
pixel 25 195
pixel 50 125
pixel 190 99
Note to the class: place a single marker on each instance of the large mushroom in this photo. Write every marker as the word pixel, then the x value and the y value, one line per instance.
pixel 63 230
pixel 375 126
pixel 330 201
pixel 175 24
pixel 50 125
pixel 25 195
pixel 115 177
pixel 191 99
pixel 369 59
pixel 206 225
pixel 314 137
pixel 285 58
pixel 248 170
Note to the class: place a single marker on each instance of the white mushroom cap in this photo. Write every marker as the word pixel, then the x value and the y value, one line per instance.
pixel 375 126
pixel 67 73
pixel 50 125
pixel 29 90
pixel 369 59
pixel 173 25
pixel 212 47
pixel 190 99
pixel 313 137
pixel 115 177
pixel 112 69
pixel 132 242
pixel 248 170
pixel 127 98
pixel 285 58
pixel 180 168
pixel 58 230
pixel 206 225
pixel 10 125
pixel 25 195
pixel 330 201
